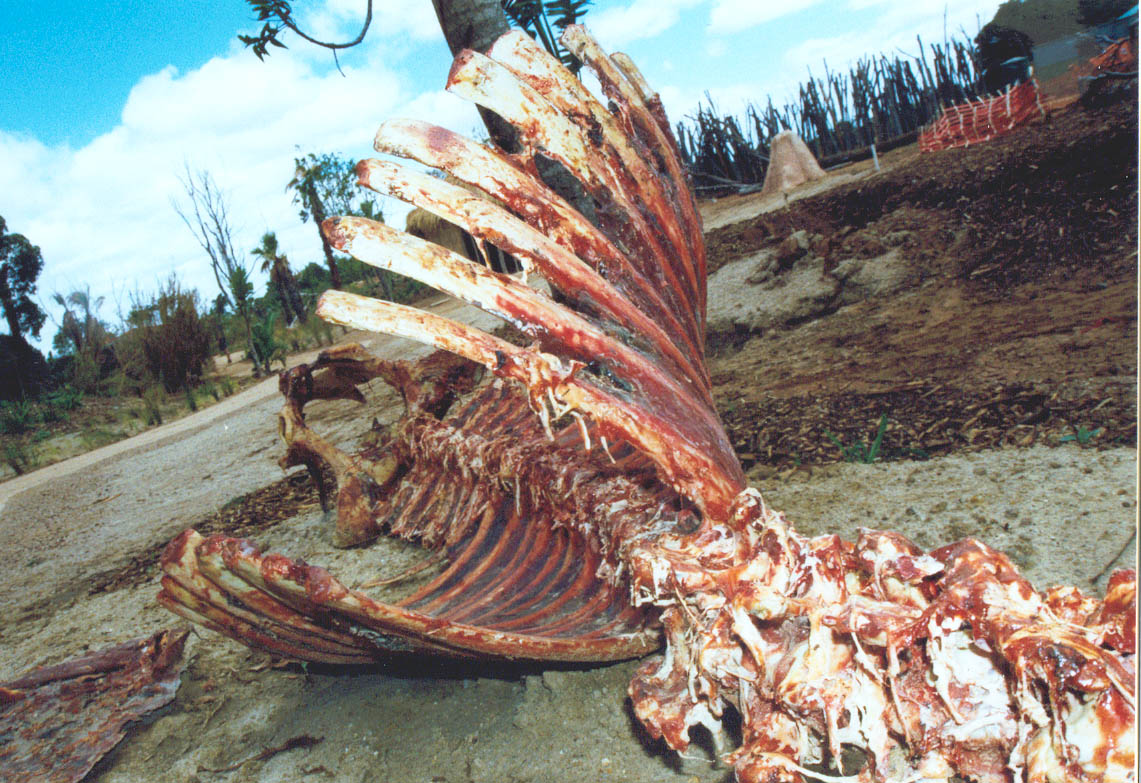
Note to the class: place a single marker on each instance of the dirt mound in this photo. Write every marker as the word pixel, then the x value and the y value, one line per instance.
pixel 976 298
pixel 791 164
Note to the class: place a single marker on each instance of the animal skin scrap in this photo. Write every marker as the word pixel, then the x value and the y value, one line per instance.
pixel 56 722
pixel 589 505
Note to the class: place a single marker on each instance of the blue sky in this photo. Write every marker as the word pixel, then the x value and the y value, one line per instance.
pixel 106 104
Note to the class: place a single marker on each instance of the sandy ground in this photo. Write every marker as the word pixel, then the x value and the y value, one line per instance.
pixel 94 511
pixel 717 213
pixel 1065 515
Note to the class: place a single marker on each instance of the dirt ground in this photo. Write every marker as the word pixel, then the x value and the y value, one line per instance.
pixel 981 303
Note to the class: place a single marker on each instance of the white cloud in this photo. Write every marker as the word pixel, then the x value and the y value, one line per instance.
pixel 102 213
pixel 446 110
pixel 341 20
pixel 618 27
pixel 731 16
pixel 928 16
pixel 728 99
pixel 894 32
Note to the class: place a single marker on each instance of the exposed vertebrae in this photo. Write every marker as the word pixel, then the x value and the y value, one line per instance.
pixel 935 665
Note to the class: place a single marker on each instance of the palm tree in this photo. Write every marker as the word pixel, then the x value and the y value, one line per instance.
pixel 281 277
pixel 81 327
pixel 309 173
pixel 368 209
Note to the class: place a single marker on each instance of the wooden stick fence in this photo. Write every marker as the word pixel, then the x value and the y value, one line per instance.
pixel 880 101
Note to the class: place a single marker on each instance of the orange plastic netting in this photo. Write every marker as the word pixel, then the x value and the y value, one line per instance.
pixel 977 121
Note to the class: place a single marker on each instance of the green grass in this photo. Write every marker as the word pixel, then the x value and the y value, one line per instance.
pixel 152 406
pixel 1081 436
pixel 20 457
pixel 860 451
pixel 65 398
pixel 18 416
pixel 97 438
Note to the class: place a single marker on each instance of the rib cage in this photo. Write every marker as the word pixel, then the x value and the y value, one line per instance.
pixel 512 588
pixel 622 339
pixel 579 542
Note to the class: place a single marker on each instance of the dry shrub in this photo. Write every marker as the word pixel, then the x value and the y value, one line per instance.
pixel 171 340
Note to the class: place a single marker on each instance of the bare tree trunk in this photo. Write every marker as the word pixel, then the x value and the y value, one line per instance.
pixel 211 227
pixel 289 283
pixel 223 343
pixel 476 24
pixel 318 210
pixel 255 356
pixel 282 295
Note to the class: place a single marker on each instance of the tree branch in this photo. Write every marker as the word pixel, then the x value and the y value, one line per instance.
pixel 280 11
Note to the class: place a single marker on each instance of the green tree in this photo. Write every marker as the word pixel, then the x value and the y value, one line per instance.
pixel 1003 55
pixel 85 339
pixel 81 332
pixel 20 264
pixel 1042 20
pixel 1095 12
pixel 175 340
pixel 369 209
pixel 216 321
pixel 280 277
pixel 323 185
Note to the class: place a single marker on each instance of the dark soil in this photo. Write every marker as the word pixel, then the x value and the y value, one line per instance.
pixel 244 516
pixel 1020 328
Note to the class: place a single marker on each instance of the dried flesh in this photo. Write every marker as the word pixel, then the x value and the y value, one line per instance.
pixel 56 722
pixel 589 503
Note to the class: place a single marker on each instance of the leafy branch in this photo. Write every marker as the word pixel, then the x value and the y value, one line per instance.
pixel 541 19
pixel 277 15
